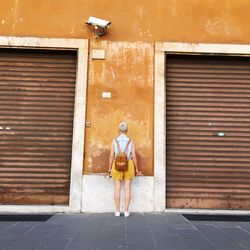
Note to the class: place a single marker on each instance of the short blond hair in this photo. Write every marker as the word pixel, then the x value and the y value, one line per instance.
pixel 123 127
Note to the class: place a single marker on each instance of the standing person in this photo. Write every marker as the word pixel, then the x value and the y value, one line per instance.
pixel 123 143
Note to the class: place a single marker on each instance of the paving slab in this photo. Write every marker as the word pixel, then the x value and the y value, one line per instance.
pixel 5 225
pixel 168 242
pixel 178 221
pixel 78 244
pixel 218 237
pixel 245 227
pixel 239 236
pixel 192 239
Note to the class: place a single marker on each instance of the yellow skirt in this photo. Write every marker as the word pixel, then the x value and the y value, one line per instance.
pixel 123 175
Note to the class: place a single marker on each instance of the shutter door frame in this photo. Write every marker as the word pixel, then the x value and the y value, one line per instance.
pixel 162 49
pixel 81 46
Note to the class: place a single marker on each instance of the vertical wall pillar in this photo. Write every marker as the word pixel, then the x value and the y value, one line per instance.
pixel 159 133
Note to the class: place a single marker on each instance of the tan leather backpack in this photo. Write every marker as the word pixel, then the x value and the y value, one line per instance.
pixel 121 159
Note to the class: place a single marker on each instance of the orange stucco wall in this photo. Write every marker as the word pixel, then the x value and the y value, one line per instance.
pixel 220 21
pixel 126 73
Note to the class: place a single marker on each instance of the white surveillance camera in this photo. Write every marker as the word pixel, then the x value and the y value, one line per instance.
pixel 98 22
pixel 100 26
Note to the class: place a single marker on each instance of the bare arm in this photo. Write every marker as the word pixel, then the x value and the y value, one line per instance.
pixel 111 156
pixel 134 158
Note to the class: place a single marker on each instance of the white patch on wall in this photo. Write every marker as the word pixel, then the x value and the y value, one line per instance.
pixel 98 54
pixel 98 194
pixel 106 95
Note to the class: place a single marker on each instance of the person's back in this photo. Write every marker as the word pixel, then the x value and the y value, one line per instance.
pixel 123 141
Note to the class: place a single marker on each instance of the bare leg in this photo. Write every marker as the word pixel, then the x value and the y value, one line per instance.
pixel 127 187
pixel 118 185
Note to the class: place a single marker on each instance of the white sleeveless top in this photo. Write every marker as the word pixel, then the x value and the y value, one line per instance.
pixel 123 140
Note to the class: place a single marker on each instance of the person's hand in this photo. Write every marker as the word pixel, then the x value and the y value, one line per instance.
pixel 109 173
pixel 136 172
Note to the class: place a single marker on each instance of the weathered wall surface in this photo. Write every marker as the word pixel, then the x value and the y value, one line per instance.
pixel 127 73
pixel 223 21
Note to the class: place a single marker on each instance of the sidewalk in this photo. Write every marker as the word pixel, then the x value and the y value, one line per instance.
pixel 139 231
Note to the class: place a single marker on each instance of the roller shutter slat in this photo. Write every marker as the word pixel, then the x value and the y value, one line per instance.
pixel 207 95
pixel 207 80
pixel 37 89
pixel 32 198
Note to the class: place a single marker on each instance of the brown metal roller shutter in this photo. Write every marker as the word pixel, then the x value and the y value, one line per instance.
pixel 37 89
pixel 206 97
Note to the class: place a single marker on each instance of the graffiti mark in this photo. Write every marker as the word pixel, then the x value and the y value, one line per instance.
pixel 221 25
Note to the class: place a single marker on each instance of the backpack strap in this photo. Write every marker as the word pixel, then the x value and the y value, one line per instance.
pixel 118 145
pixel 127 145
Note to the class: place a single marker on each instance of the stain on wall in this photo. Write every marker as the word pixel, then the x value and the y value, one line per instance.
pixel 224 21
pixel 127 73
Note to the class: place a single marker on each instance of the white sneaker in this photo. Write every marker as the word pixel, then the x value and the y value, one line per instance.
pixel 126 214
pixel 117 214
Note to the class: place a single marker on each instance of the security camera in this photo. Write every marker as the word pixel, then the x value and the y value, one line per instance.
pixel 97 21
pixel 100 26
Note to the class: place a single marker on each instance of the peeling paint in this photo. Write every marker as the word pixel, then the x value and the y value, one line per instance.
pixel 15 14
pixel 141 13
pixel 112 72
pixel 73 30
pixel 127 72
